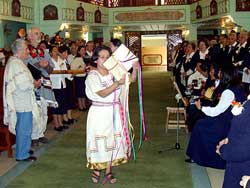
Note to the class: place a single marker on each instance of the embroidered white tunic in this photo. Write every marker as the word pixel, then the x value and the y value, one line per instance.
pixel 105 137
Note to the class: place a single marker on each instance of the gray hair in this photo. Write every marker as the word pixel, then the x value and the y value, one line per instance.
pixel 30 30
pixel 17 45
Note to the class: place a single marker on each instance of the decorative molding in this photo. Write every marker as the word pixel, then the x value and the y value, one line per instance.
pixel 147 16
pixel 152 59
pixel 80 13
pixel 98 16
pixel 198 11
pixel 213 8
pixel 16 8
pixel 50 13
pixel 242 5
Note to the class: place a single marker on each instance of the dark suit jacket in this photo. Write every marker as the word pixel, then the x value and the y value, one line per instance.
pixel 246 61
pixel 241 53
pixel 237 151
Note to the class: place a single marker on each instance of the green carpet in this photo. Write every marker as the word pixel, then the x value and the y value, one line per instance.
pixel 63 165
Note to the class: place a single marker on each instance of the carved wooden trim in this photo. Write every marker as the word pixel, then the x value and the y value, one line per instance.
pixel 50 13
pixel 149 15
pixel 213 8
pixel 242 5
pixel 80 13
pixel 98 16
pixel 198 11
pixel 16 8
pixel 152 59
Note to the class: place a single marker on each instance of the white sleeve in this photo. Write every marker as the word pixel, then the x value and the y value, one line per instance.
pixel 190 79
pixel 93 85
pixel 225 101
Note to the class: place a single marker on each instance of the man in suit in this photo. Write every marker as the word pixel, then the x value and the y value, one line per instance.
pixel 229 53
pixel 241 52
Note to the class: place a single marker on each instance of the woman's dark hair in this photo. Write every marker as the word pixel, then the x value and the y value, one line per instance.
pixel 78 49
pixel 46 43
pixel 96 53
pixel 19 29
pixel 116 42
pixel 51 47
pixel 229 79
pixel 205 42
pixel 193 45
pixel 63 48
pixel 204 67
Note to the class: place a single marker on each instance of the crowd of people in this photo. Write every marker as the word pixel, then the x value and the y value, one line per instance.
pixel 35 71
pixel 214 77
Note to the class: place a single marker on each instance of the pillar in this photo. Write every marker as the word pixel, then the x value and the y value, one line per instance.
pixel 191 34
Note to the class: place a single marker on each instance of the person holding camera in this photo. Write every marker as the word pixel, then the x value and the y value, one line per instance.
pixel 214 125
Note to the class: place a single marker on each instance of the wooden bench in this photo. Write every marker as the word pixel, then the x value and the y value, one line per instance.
pixel 6 138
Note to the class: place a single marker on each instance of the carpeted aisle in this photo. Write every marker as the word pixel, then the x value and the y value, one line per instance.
pixel 63 164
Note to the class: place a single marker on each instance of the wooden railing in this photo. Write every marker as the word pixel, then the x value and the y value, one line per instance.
pixel 126 3
pixel 25 11
pixel 223 8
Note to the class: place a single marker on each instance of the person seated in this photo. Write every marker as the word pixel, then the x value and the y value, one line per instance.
pixel 235 149
pixel 197 79
pixel 193 114
pixel 212 89
pixel 214 125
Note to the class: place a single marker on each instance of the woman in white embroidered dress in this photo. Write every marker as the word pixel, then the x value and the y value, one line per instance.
pixel 105 142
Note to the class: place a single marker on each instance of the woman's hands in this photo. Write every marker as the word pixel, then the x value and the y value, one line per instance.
pixel 244 181
pixel 37 83
pixel 221 143
pixel 136 65
pixel 198 104
pixel 122 80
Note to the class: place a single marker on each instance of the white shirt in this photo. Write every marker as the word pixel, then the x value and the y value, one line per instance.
pixel 196 76
pixel 71 57
pixel 77 64
pixel 90 54
pixel 226 99
pixel 58 80
pixel 203 54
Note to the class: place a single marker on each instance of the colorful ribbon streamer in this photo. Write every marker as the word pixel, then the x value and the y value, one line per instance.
pixel 142 116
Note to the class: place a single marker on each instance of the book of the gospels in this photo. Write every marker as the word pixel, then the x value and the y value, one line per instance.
pixel 120 62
